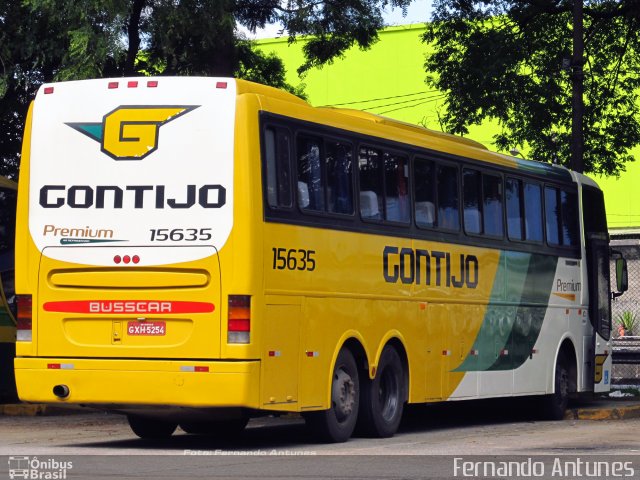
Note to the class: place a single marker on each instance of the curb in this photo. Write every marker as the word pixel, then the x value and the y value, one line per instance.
pixel 604 413
pixel 39 410
pixel 21 410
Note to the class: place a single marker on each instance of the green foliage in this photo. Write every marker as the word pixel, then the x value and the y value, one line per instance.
pixel 507 61
pixel 53 40
pixel 627 320
pixel 334 26
pixel 259 67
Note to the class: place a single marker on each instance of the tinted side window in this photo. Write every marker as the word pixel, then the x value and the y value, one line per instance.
pixel 448 198
pixel 533 212
pixel 514 210
pixel 396 174
pixel 339 177
pixel 310 181
pixel 472 194
pixel 371 188
pixel 278 169
pixel 552 215
pixel 561 214
pixel 570 216
pixel 425 204
pixel 492 196
pixel 595 218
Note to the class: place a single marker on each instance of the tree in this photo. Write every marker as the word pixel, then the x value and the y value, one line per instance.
pixel 52 40
pixel 510 61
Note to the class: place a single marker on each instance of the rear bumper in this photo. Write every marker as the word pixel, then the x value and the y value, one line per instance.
pixel 140 382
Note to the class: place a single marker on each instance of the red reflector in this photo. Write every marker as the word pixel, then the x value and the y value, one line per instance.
pixel 239 325
pixel 239 319
pixel 117 259
pixel 48 90
pixel 152 83
pixel 240 301
pixel 135 259
pixel 126 259
pixel 132 84
pixel 239 309
pixel 221 84
pixel 24 326
pixel 24 311
pixel 201 369
pixel 113 85
pixel 53 366
pixel 24 306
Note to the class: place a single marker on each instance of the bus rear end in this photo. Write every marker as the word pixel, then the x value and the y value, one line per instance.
pixel 125 203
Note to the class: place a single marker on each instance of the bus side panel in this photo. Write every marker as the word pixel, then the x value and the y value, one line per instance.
pixel 435 306
pixel 281 354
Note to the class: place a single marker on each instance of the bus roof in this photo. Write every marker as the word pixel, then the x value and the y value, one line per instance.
pixel 476 149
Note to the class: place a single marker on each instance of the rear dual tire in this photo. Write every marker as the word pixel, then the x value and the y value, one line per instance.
pixel 336 424
pixel 382 399
pixel 372 407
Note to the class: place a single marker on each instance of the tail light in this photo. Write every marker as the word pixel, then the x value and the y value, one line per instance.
pixel 239 320
pixel 24 333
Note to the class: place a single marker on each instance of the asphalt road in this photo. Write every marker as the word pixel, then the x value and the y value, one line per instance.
pixel 101 445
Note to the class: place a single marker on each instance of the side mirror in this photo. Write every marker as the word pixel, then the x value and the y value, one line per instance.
pixel 622 275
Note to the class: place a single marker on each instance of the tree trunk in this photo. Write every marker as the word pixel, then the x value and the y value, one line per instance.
pixel 133 32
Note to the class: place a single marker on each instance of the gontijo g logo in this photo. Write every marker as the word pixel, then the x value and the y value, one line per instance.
pixel 130 132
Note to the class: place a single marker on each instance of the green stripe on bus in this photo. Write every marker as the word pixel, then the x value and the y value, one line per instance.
pixel 529 316
pixel 510 329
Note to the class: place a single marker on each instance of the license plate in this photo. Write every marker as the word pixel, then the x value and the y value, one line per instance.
pixel 147 328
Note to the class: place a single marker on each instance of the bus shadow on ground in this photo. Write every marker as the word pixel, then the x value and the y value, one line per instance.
pixel 289 431
pixel 439 416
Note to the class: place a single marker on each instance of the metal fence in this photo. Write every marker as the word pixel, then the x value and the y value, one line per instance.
pixel 626 345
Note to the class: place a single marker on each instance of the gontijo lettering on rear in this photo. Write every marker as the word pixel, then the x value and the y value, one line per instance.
pixel 133 165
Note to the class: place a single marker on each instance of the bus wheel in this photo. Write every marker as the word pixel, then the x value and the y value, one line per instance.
pixel 382 399
pixel 220 429
pixel 337 423
pixel 555 405
pixel 151 428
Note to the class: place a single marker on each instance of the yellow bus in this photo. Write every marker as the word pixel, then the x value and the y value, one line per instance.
pixel 8 190
pixel 196 251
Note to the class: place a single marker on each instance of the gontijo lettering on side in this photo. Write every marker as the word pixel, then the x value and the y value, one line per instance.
pixel 423 266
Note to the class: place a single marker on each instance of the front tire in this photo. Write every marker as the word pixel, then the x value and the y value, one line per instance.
pixel 337 424
pixel 151 428
pixel 382 399
pixel 555 405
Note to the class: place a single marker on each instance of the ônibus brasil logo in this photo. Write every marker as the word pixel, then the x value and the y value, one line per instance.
pixel 130 132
